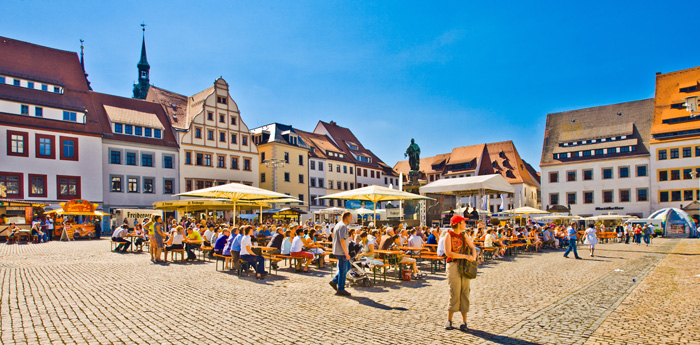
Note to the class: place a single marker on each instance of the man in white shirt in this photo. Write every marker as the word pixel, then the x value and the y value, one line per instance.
pixel 441 243
pixel 415 241
pixel 118 236
pixel 207 237
pixel 303 258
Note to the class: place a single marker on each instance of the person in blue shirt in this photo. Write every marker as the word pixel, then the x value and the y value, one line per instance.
pixel 571 236
pixel 432 239
pixel 221 241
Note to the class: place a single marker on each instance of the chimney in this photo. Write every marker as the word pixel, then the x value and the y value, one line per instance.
pixel 333 123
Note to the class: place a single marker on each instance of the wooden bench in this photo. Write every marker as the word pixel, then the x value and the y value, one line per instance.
pixel 489 252
pixel 435 261
pixel 226 259
pixel 273 259
pixel 174 252
pixel 376 268
pixel 203 251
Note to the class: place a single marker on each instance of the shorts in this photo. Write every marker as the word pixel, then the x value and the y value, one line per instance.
pixel 304 255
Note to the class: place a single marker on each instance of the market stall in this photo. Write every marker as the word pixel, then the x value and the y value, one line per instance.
pixel 19 212
pixel 76 218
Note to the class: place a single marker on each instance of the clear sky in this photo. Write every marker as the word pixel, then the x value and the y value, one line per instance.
pixel 445 73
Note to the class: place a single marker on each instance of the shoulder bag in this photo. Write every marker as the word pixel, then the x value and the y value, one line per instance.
pixel 467 268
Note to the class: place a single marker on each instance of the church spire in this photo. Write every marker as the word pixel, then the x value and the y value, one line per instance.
pixel 141 88
pixel 82 62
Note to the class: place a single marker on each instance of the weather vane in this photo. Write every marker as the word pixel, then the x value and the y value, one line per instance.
pixel 143 26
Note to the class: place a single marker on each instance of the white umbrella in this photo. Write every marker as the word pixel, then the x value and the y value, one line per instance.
pixel 375 194
pixel 331 210
pixel 526 210
pixel 236 192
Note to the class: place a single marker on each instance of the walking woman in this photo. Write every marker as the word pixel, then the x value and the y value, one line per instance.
pixel 456 242
pixel 159 235
pixel 591 238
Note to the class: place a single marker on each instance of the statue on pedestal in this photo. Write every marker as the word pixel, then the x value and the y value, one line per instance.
pixel 413 153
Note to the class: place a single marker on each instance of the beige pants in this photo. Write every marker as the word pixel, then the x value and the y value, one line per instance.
pixel 459 289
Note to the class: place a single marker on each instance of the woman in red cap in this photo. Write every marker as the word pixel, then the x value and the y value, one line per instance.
pixel 455 241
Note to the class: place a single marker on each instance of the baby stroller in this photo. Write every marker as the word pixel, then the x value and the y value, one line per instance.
pixel 357 274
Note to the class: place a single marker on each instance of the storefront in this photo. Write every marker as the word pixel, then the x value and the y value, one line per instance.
pixel 77 219
pixel 19 212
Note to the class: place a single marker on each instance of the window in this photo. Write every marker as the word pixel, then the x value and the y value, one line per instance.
pixel 687 152
pixel 686 174
pixel 641 170
pixel 17 143
pixel 147 132
pixel 131 158
pixel 37 185
pixel 553 177
pixel 132 184
pixel 24 110
pixel 337 169
pixel 386 181
pixel 301 160
pixel 339 185
pixel 118 128
pixel 697 151
pixel 612 150
pixel 588 175
pixel 587 197
pixel 115 184
pixel 30 84
pixel 146 160
pixel 598 152
pixel 38 111
pixel 570 198
pixel 688 195
pixel 320 166
pixel 312 165
pixel 675 195
pixel 15 82
pixel 148 185
pixel 233 120
pixel 663 196
pixel 156 133
pixel 222 118
pixel 330 167
pixel 286 177
pixel 345 186
pixel 69 148
pixel 222 137
pixel 661 154
pixel 286 157
pixel 188 185
pixel 234 163
pixel 350 170
pixel 571 176
pixel 301 197
pixel 207 160
pixel 68 187
pixel 221 100
pixel 321 183
pixel 128 129
pixel 188 158
pixel 210 135
pixel 262 177
pixel 301 178
pixel 642 194
pixel 345 171
pixel 607 173
pixel 168 162
pixel 554 199
pixel 624 195
pixel 674 153
pixel 234 139
pixel 624 172
pixel 14 185
pixel 312 182
pixel 72 116
pixel 371 172
pixel 44 146
pixel 138 130
pixel 115 157
pixel 210 116
pixel 246 164
pixel 244 140
pixel 624 149
pixel 663 175
pixel 168 186
pixel 607 196
pixel 675 175
pixel 352 185
pixel 198 133
pixel 330 184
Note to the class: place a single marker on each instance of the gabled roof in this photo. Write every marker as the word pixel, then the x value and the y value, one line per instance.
pixel 632 119
pixel 668 93
pixel 466 154
pixel 320 144
pixel 279 133
pixel 506 161
pixel 342 136
pixel 104 103
pixel 52 66
pixel 174 104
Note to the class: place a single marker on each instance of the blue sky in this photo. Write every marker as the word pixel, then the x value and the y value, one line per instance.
pixel 447 74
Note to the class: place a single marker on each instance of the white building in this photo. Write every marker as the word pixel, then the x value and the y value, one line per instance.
pixel 596 160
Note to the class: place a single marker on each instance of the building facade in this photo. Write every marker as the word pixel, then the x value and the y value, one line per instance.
pixel 597 160
pixel 675 139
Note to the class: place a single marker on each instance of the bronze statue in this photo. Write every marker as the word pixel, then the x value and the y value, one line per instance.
pixel 413 153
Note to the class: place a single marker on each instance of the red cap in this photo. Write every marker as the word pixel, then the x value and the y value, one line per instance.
pixel 456 219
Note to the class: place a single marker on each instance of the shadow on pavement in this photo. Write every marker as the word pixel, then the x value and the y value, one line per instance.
pixel 499 339
pixel 371 303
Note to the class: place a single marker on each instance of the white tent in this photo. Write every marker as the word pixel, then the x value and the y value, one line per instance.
pixel 468 186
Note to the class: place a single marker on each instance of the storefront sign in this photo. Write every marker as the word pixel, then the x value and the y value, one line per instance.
pixel 393 213
pixel 78 206
pixel 610 208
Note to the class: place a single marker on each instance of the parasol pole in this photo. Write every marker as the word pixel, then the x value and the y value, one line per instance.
pixel 234 213
pixel 374 220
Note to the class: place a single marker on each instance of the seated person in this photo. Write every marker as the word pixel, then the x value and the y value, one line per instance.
pixel 393 242
pixel 297 251
pixel 194 240
pixel 118 236
pixel 221 241
pixel 490 242
pixel 36 231
pixel 247 254
pixel 434 233
pixel 138 231
pixel 174 242
pixel 206 237
pixel 13 231
pixel 367 253
pixel 415 241
pixel 286 243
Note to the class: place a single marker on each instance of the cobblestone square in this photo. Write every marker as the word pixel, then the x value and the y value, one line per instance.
pixel 80 292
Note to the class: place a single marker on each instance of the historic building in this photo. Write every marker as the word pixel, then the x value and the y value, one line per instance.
pixel 483 159
pixel 675 139
pixel 50 134
pixel 283 161
pixel 596 160
pixel 139 152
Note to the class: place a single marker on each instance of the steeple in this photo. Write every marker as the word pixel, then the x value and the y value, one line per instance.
pixel 82 62
pixel 141 88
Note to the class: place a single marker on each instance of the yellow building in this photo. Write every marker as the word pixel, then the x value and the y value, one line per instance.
pixel 283 161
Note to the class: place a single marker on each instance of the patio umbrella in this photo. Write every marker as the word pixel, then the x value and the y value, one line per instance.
pixel 375 194
pixel 527 210
pixel 236 192
pixel 331 210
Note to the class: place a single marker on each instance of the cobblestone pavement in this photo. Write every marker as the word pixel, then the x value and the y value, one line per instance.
pixel 80 292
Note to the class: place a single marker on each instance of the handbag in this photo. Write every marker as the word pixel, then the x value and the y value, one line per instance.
pixel 466 267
